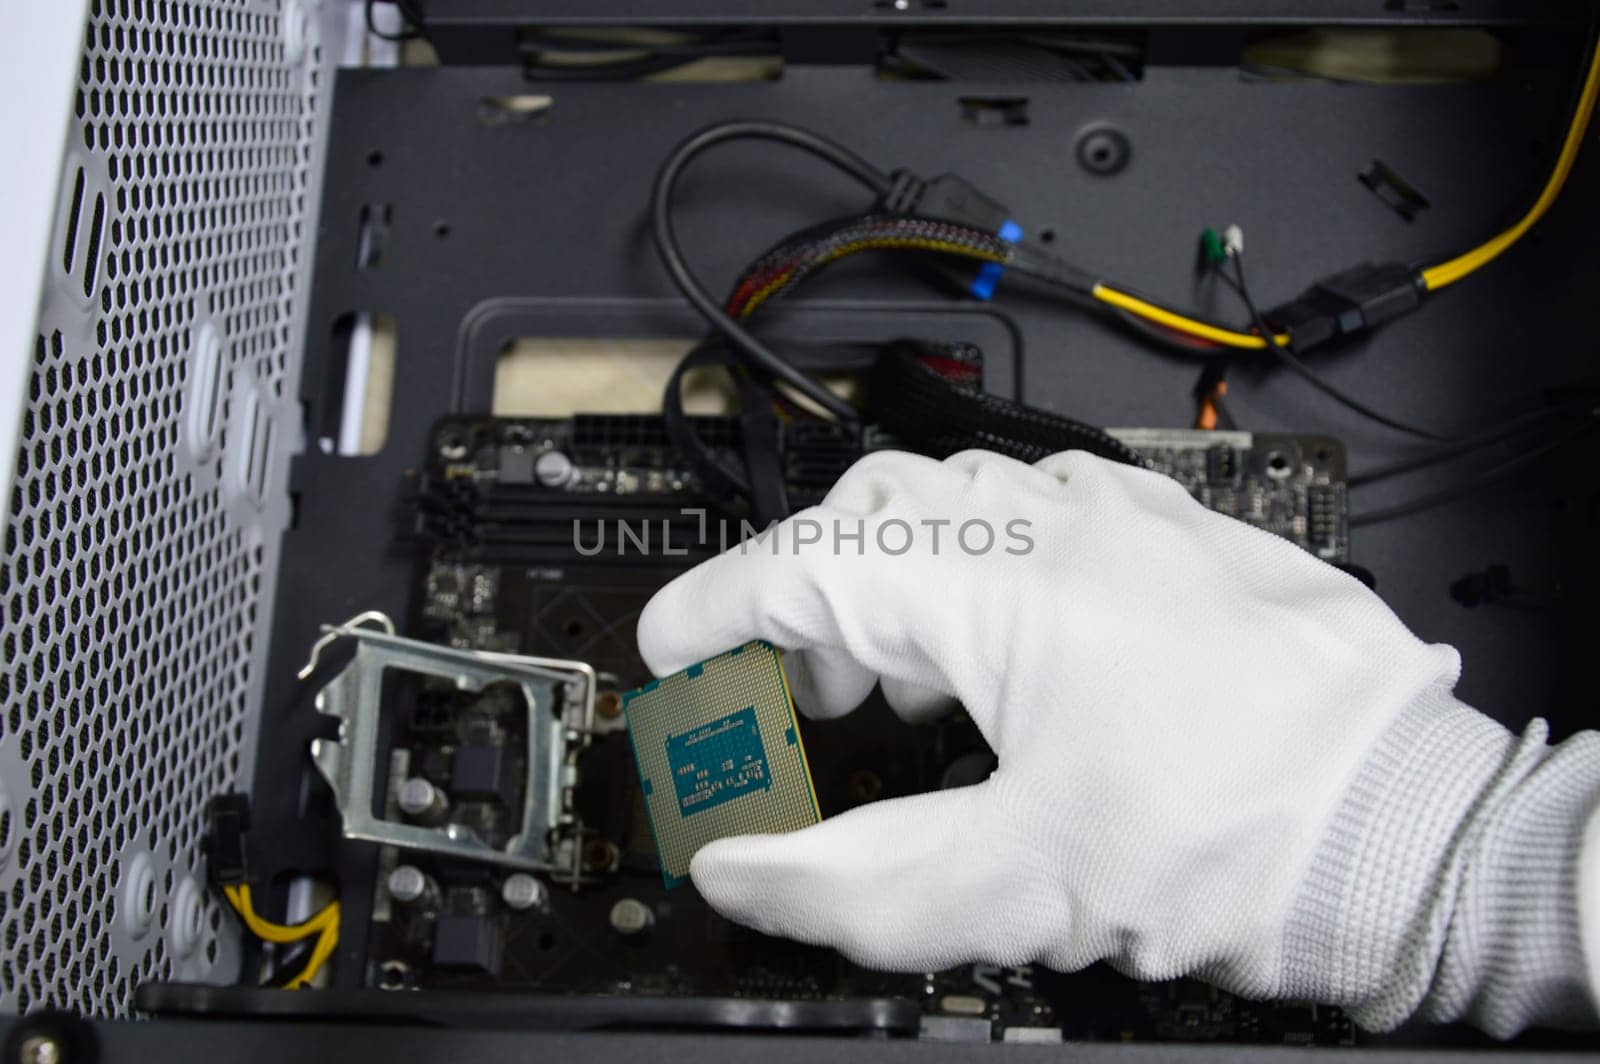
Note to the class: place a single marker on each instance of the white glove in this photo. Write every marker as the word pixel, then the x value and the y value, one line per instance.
pixel 1180 705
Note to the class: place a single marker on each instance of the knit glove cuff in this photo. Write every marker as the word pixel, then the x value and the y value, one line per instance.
pixel 1447 881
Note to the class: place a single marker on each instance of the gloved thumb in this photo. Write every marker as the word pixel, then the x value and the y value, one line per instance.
pixel 910 884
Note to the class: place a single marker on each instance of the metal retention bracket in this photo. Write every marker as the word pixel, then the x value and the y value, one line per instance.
pixel 560 698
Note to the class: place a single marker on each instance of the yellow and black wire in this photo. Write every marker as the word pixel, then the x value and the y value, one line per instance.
pixel 1127 303
pixel 1180 322
pixel 324 926
pixel 1452 270
pixel 900 228
pixel 1431 278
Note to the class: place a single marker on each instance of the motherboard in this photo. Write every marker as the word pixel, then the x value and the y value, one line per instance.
pixel 547 537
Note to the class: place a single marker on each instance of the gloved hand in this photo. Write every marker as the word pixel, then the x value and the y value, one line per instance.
pixel 1187 713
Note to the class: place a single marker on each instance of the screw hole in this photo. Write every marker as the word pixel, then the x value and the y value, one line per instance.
pixel 452 447
pixel 441 229
pixel 1047 236
pixel 374 158
pixel 574 627
pixel 1103 150
pixel 547 941
pixel 140 895
pixel 597 855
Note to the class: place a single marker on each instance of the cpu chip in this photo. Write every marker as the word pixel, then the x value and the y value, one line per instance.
pixel 719 753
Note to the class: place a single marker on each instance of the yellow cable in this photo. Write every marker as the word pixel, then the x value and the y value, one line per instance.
pixel 325 925
pixel 1172 320
pixel 1433 278
pixel 243 904
pixel 327 942
pixel 1436 277
pixel 762 293
pixel 1105 294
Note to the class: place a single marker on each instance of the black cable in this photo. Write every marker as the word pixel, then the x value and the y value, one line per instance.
pixel 291 959
pixel 914 403
pixel 793 261
pixel 1284 352
pixel 1452 446
pixel 1033 261
pixel 1483 480
pixel 761 432
pixel 719 482
pixel 752 350
pixel 1029 259
pixel 1522 424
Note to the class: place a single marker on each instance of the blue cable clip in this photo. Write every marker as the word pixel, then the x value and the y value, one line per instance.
pixel 988 277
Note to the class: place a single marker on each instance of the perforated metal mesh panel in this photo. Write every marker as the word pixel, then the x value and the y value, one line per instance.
pixel 148 491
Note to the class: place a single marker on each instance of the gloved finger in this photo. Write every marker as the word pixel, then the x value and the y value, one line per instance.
pixel 824 578
pixel 885 480
pixel 915 703
pixel 871 613
pixel 913 884
pixel 897 480
pixel 1062 465
pixel 759 590
pixel 772 588
pixel 825 682
pixel 1089 475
